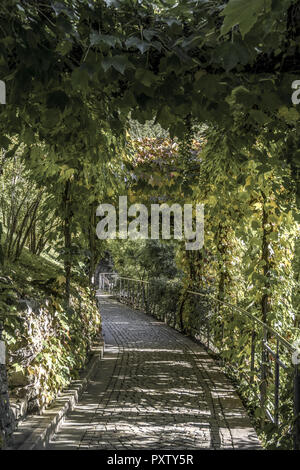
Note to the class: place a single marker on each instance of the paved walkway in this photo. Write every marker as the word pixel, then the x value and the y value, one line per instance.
pixel 155 389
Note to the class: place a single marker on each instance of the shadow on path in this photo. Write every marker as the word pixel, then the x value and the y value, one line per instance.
pixel 154 389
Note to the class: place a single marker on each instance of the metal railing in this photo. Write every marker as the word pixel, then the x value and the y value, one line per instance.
pixel 255 354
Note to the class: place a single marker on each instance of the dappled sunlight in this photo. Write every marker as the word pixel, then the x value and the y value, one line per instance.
pixel 156 389
pixel 170 363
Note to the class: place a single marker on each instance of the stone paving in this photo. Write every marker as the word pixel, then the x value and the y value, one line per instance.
pixel 154 389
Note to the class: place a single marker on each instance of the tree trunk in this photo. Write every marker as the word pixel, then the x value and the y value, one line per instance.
pixel 67 240
pixel 266 299
pixel 92 241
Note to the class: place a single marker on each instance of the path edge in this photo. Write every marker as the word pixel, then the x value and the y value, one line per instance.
pixel 46 425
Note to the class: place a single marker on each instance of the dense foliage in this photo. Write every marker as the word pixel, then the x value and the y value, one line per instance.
pixel 75 70
pixel 249 260
pixel 47 344
pixel 214 78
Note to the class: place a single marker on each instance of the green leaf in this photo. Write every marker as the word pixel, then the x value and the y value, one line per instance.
pixel 291 115
pixel 259 116
pixel 243 96
pixel 165 117
pixel 80 78
pixel 64 47
pixel 118 62
pixel 230 54
pixel 255 225
pixel 97 39
pixel 259 413
pixel 243 13
pixel 60 7
pixel 148 34
pixel 112 3
pixel 4 142
pixel 50 118
pixel 145 77
pixel 57 99
pixel 137 43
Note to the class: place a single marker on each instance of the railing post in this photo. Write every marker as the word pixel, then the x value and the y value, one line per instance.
pixel 297 408
pixel 277 385
pixel 148 298
pixel 263 368
pixel 252 365
pixel 208 333
pixel 133 293
pixel 130 292
pixel 143 295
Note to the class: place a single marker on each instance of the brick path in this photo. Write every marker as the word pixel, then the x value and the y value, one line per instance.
pixel 155 389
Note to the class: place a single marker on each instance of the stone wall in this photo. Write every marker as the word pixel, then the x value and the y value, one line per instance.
pixel 7 421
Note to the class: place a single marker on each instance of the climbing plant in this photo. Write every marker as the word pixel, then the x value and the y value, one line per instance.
pixel 214 79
